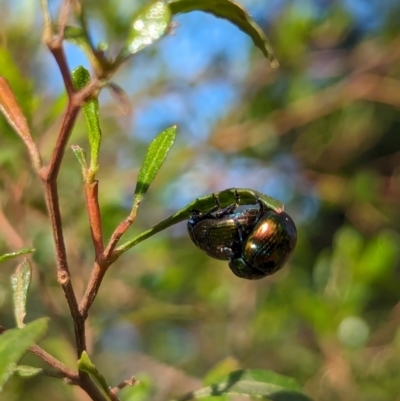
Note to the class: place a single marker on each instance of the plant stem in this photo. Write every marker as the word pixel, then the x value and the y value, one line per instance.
pixel 48 175
pixel 93 209
pixel 63 274
pixel 96 277
pixel 55 363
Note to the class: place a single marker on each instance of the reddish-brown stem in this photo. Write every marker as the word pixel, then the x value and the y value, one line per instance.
pixel 51 171
pixel 100 267
pixel 48 175
pixel 61 370
pixel 116 389
pixel 116 236
pixel 63 274
pixel 96 277
pixel 55 363
pixel 93 209
pixel 102 264
pixel 59 55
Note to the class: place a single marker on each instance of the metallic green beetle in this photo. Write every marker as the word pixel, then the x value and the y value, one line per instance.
pixel 257 242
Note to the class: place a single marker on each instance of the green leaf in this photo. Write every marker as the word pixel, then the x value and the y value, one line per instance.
pixel 12 255
pixel 14 343
pixel 86 365
pixel 81 156
pixel 27 371
pixel 204 204
pixel 156 154
pixel 256 383
pixel 12 111
pixel 234 13
pixel 21 86
pixel 149 24
pixel 20 282
pixel 81 77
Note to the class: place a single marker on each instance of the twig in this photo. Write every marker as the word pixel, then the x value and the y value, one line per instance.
pixel 53 308
pixel 61 369
pixel 49 175
pixel 101 265
pixel 63 274
pixel 93 209
pixel 116 236
pixel 55 363
pixel 120 386
pixel 96 277
pixel 66 128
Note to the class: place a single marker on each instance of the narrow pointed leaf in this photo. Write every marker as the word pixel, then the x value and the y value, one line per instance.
pixel 81 156
pixel 255 383
pixel 12 111
pixel 204 204
pixel 149 24
pixel 234 13
pixel 156 154
pixel 86 365
pixel 81 78
pixel 14 343
pixel 20 282
pixel 15 254
pixel 27 371
pixel 22 87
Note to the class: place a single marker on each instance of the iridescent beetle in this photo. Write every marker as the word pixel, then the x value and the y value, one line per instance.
pixel 257 242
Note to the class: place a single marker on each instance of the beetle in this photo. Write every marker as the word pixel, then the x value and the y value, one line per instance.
pixel 267 248
pixel 220 235
pixel 256 242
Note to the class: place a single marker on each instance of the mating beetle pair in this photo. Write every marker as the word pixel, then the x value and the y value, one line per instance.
pixel 257 242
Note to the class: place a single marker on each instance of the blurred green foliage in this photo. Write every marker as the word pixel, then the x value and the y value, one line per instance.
pixel 321 132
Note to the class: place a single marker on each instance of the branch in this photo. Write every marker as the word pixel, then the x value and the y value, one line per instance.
pixel 49 175
pixel 63 274
pixel 96 277
pixel 117 234
pixel 55 363
pixel 93 209
pixel 101 266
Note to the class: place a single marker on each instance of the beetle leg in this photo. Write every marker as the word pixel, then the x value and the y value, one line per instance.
pixel 214 209
pixel 240 230
pixel 227 251
pixel 261 209
pixel 196 212
pixel 231 208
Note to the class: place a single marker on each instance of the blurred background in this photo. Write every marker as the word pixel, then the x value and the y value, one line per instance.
pixel 321 133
